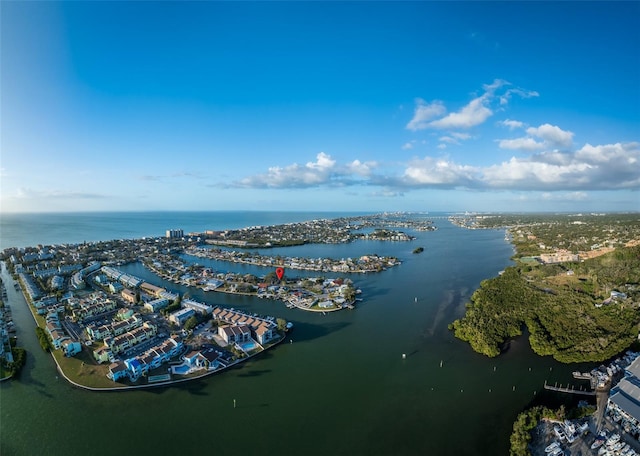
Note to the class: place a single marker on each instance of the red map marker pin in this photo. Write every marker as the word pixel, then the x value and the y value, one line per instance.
pixel 280 273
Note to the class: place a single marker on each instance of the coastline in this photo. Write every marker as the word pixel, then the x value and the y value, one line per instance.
pixel 164 383
pixel 145 386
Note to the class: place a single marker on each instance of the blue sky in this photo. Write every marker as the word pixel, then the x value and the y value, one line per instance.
pixel 369 106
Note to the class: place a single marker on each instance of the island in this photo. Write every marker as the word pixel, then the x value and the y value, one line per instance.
pixel 324 231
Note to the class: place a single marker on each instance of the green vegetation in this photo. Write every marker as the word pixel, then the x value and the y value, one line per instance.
pixel 43 338
pixel 11 369
pixel 19 358
pixel 175 305
pixel 282 324
pixel 525 423
pixel 534 234
pixel 558 309
pixel 190 323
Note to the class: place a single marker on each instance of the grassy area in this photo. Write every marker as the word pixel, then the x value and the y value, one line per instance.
pixel 82 369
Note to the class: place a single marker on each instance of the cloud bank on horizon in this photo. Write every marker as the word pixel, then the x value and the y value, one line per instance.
pixel 548 159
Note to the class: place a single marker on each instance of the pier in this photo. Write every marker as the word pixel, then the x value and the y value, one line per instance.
pixel 571 390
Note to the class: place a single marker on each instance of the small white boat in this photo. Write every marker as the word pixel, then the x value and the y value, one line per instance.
pixel 552 447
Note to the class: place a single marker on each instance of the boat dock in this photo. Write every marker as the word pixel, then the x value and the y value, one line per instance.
pixel 571 390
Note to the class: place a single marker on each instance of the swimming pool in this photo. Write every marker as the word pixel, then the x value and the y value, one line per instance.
pixel 181 369
pixel 248 346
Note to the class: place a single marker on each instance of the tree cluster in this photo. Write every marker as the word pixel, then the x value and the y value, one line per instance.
pixel 43 338
pixel 559 311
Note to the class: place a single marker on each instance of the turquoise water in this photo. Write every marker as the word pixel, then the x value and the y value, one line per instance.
pixel 247 347
pixel 180 369
pixel 340 387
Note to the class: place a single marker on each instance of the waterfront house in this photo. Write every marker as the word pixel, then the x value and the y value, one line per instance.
pixel 57 337
pixel 199 307
pixel 235 334
pixel 157 357
pixel 71 348
pixel 135 368
pixel 52 325
pixel 191 358
pixel 151 289
pixel 117 371
pixel 265 332
pixel 326 304
pixel 148 360
pixel 209 358
pixel 102 354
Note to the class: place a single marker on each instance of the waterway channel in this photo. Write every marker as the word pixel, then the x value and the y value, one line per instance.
pixel 341 386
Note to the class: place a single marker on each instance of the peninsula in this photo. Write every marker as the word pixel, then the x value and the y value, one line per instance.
pixel 575 286
pixel 108 329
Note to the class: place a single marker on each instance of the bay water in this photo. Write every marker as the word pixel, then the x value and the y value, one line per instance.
pixel 339 384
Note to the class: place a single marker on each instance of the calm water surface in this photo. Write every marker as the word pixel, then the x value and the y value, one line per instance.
pixel 340 387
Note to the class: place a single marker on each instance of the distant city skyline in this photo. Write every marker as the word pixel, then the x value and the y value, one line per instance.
pixel 320 106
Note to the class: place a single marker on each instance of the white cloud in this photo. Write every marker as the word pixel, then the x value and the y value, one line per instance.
pixel 423 113
pixel 408 145
pixel 522 144
pixel 448 140
pixel 26 193
pixel 526 174
pixel 474 113
pixel 361 168
pixel 618 153
pixel 461 136
pixel 470 115
pixel 572 196
pixel 506 97
pixel 324 170
pixel 453 138
pixel 552 135
pixel 511 124
pixel 600 167
pixel 437 172
pixel 604 167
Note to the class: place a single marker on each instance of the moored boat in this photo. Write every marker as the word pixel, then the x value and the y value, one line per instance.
pixel 598 443
pixel 552 447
